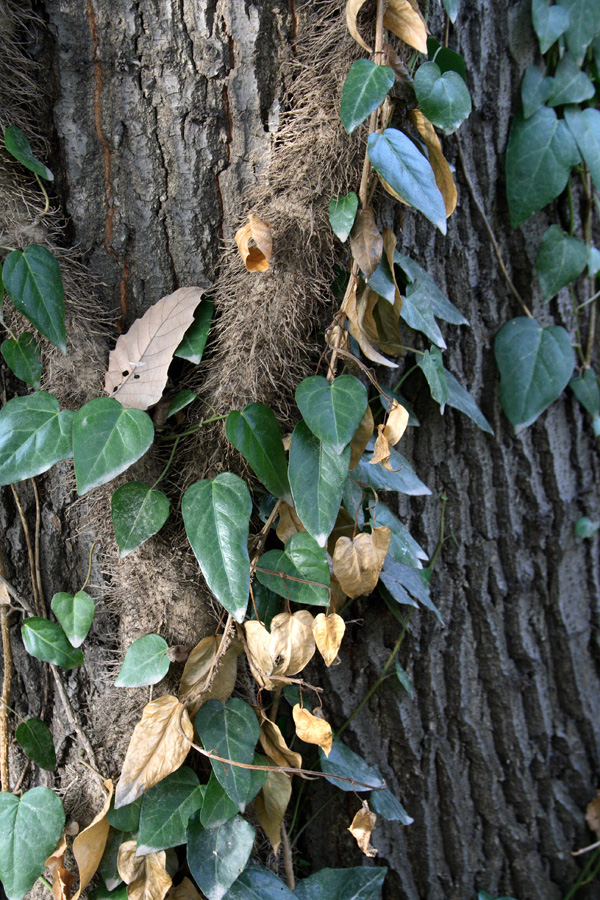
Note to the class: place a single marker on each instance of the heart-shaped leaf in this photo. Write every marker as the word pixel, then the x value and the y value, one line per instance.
pixel 47 641
pixel 560 260
pixel 440 305
pixel 404 582
pixel 451 9
pixel 570 85
pixel 333 411
pixel 255 432
pixel 587 391
pixel 403 547
pixel 34 434
pixel 366 242
pixel 402 479
pixel 432 366
pixel 30 827
pixel 166 810
pixel 365 88
pixel 344 763
pixel 535 366
pixel 443 97
pixel 217 856
pixel 460 398
pixel 127 818
pixel 75 614
pixel 231 731
pixel 180 401
pixel 17 144
pixel 361 883
pixel 23 358
pixel 146 662
pixel 585 128
pixel 33 282
pixel 342 213
pixel 388 807
pixel 216 515
pixel 259 883
pixel 35 738
pixel 549 22
pixel 584 24
pixel 107 439
pixel 194 340
pixel 138 512
pixel 301 558
pixel 535 90
pixel 217 807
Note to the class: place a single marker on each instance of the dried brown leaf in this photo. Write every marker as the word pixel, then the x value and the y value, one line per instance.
pixel 271 804
pixel 357 563
pixel 198 668
pixel 337 597
pixel 350 308
pixel 352 10
pixel 313 729
pixel 274 745
pixel 158 746
pixel 361 829
pixel 146 876
pixel 382 451
pixel 592 815
pixel 289 523
pixel 344 526
pixel 256 257
pixel 328 632
pixel 292 641
pixel 404 19
pixel 396 424
pixel 366 242
pixel 361 438
pixel 184 891
pixel 138 366
pixel 62 879
pixel 88 846
pixel 260 657
pixel 441 169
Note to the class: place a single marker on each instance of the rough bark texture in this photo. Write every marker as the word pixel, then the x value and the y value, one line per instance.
pixel 165 114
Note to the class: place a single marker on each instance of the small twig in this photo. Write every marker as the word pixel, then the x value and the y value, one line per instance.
pixel 6 682
pixel 19 783
pixel 37 555
pixel 89 572
pixel 586 849
pixel 30 550
pixel 20 599
pixel 71 717
pixel 288 860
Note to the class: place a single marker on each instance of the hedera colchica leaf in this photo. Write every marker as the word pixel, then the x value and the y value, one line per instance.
pixel 17 144
pixel 560 260
pixel 365 88
pixel 194 340
pixel 35 738
pixel 585 128
pixel 361 883
pixel 138 512
pixel 30 827
pixel 584 24
pixel 180 401
pixel 549 22
pixel 303 558
pixel 47 641
pixel 388 807
pixel 255 432
pixel 34 434
pixel 333 411
pixel 232 731
pixel 405 582
pixel 346 764
pixel 443 96
pixel 146 662
pixel 587 391
pixel 166 810
pixel 432 366
pixel 535 90
pixel 402 479
pixel 570 84
pixel 217 856
pixel 342 213
pixel 23 358
pixel 258 883
pixel 75 614
pixel 33 282
pixel 217 807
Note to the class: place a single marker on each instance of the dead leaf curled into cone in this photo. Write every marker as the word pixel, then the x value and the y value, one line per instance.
pixel 286 650
pixel 275 747
pixel 271 804
pixel 366 242
pixel 357 563
pixel 89 845
pixel 403 18
pixel 361 438
pixel 145 876
pixel 328 632
pixel 352 10
pixel 313 729
pixel 437 160
pixel 62 878
pixel 350 308
pixel 389 435
pixel 257 257
pixel 289 523
pixel 592 815
pixel 361 829
pixel 198 669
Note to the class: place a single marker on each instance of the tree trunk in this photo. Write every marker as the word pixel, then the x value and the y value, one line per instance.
pixel 166 114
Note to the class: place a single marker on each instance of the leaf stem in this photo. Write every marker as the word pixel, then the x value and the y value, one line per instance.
pixel 41 877
pixel 89 572
pixel 168 465
pixel 589 871
pixel 45 193
pixel 194 430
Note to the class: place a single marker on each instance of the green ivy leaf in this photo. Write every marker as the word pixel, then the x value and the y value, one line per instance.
pixel 107 439
pixel 345 763
pixel 549 22
pixel 217 856
pixel 231 731
pixel 194 340
pixel 408 172
pixel 138 512
pixel 587 391
pixel 255 432
pixel 108 868
pixel 403 547
pixel 342 213
pixel 443 97
pixel 459 398
pixel 300 558
pixel 535 366
pixel 259 883
pixel 36 740
pixel 75 614
pixel 585 528
pixel 571 85
pixel 365 88
pixel 440 305
pixel 584 24
pixel 126 818
pixel 403 479
pixel 30 827
pixel 535 90
pixel 361 883
pixel 146 662
pixel 432 366
pixel 418 314
pixel 593 261
pixel 217 807
pixel 585 128
pixel 539 157
pixel 17 144
pixel 33 282
pixel 317 477
pixel 34 434
pixel 404 582
pixel 333 411
pixel 385 804
pixel 180 401
pixel 267 604
pixel 560 260
pixel 166 810
pixel 23 358
pixel 402 676
pixel 451 8
pixel 47 641
pixel 446 59
pixel 216 515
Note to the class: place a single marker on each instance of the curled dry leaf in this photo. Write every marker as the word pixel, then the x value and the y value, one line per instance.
pixel 271 804
pixel 350 308
pixel 389 435
pixel 592 815
pixel 361 438
pixel 159 744
pixel 380 321
pixel 289 523
pixel 274 745
pixel 361 829
pixel 441 169
pixel 198 669
pixel 62 879
pixel 403 18
pixel 352 10
pixel 257 257
pixel 336 595
pixel 285 651
pixel 145 876
pixel 313 729
pixel 88 846
pixel 138 366
pixel 357 563
pixel 187 890
pixel 366 242
pixel 328 632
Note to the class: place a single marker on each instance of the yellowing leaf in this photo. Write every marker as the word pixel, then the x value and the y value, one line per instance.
pixel 352 10
pixel 361 438
pixel 271 804
pixel 146 876
pixel 441 169
pixel 312 729
pixel 88 846
pixel 397 422
pixel 357 563
pixel 362 826
pixel 260 657
pixel 138 366
pixel 351 310
pixel 382 451
pixel 158 746
pixel 184 891
pixel 404 19
pixel 366 242
pixel 257 256
pixel 328 632
pixel 592 815
pixel 62 879
pixel 292 641
pixel 198 669
pixel 289 523
pixel 274 745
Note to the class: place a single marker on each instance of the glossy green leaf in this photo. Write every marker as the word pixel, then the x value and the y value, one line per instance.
pixel 560 260
pixel 317 477
pixel 443 96
pixel 365 88
pixel 30 827
pixel 47 641
pixel 35 738
pixel 180 401
pixel 535 90
pixel 403 479
pixel 300 558
pixel 540 153
pixel 385 805
pixel 445 58
pixel 549 22
pixel 103 892
pixel 432 366
pixel 259 883
pixel 34 434
pixel 418 314
pixel 403 547
pixel 585 528
pixel 584 25
pixel 75 614
pixel 404 582
pixel 570 85
pixel 440 305
pixel 217 807
pixel 408 172
pixel 587 391
pixel 342 213
pixel 333 411
pixel 17 144
pixel 33 282
pixel 231 731
pixel 23 358
pixel 451 8
pixel 402 676
pixel 459 398
pixel 216 515
pixel 266 602
pixel 361 883
pixel 107 439
pixel 255 432
pixel 194 340
pixel 108 865
pixel 346 764
pixel 217 856
pixel 585 128
pixel 535 366
pixel 166 810
pixel 593 261
pixel 126 818
pixel 146 662
pixel 138 512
